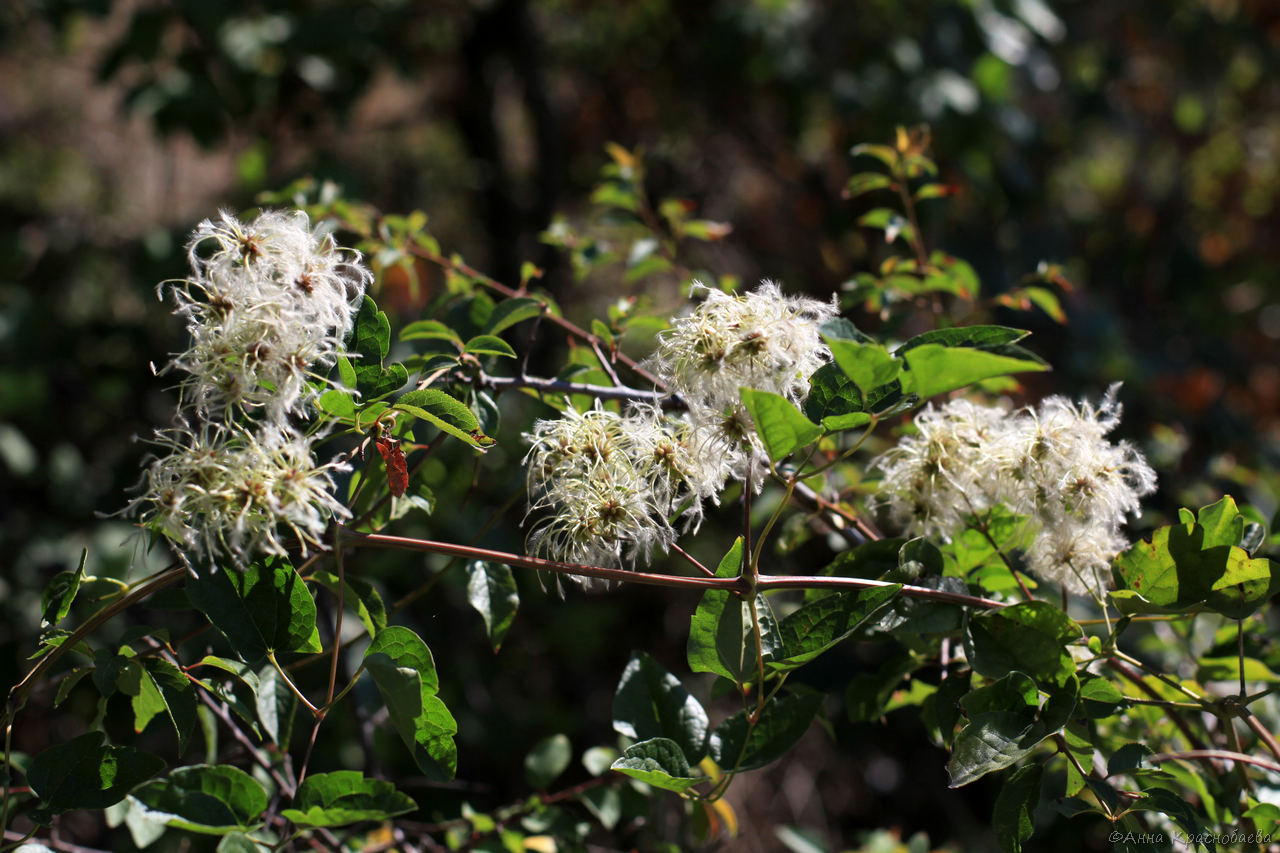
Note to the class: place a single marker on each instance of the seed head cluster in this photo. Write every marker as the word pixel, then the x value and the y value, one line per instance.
pixel 267 307
pixel 610 486
pixel 1053 465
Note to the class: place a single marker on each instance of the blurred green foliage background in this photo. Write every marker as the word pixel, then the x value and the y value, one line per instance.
pixel 1137 144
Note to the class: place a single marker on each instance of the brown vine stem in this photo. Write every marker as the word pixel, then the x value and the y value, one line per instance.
pixel 1207 754
pixel 1264 734
pixel 766 582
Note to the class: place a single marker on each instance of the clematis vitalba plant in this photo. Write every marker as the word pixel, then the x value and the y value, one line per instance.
pixel 858 485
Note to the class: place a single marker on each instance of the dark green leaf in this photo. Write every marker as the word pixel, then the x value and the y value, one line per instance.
pixel 403 669
pixel 55 601
pixel 1029 637
pixel 165 689
pixel 446 413
pixel 660 763
pixel 547 760
pixel 820 624
pixel 990 742
pixel 210 799
pixel 1014 817
pixel 491 589
pixel 1015 692
pixel 345 797
pixel 275 705
pixel 85 773
pixel 736 744
pixel 651 702
pixel 360 596
pixel 977 337
pixel 996 739
pixel 832 394
pixel 264 608
pixel 782 427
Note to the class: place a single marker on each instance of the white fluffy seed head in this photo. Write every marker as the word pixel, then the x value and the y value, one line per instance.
pixel 268 305
pixel 760 340
pixel 227 493
pixel 610 487
pixel 1053 465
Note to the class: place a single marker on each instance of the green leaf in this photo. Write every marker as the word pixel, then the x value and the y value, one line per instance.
pixel 238 842
pixel 832 395
pixel 1227 668
pixel 1014 817
pixel 935 368
pixel 511 311
pixel 1100 698
pixel 782 427
pixel 884 153
pixel 371 341
pixel 55 601
pixel 402 667
pixel 547 760
pixel 868 365
pixel 446 413
pixel 1222 523
pixel 737 744
pixel 205 798
pixel 165 689
pixel 429 330
pixel 338 403
pixel 1015 692
pixel 996 739
pixel 264 608
pixel 85 773
pixel 1029 637
pixel 890 221
pixel 360 596
pixel 990 742
pixel 651 702
pixel 658 762
pixel 344 797
pixel 1185 565
pixel 865 182
pixel 820 624
pixel 491 590
pixel 275 705
pixel 371 334
pixel 598 758
pixel 489 345
pixel 702 648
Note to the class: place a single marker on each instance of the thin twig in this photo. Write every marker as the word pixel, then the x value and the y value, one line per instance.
pixel 1205 754
pixel 692 560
